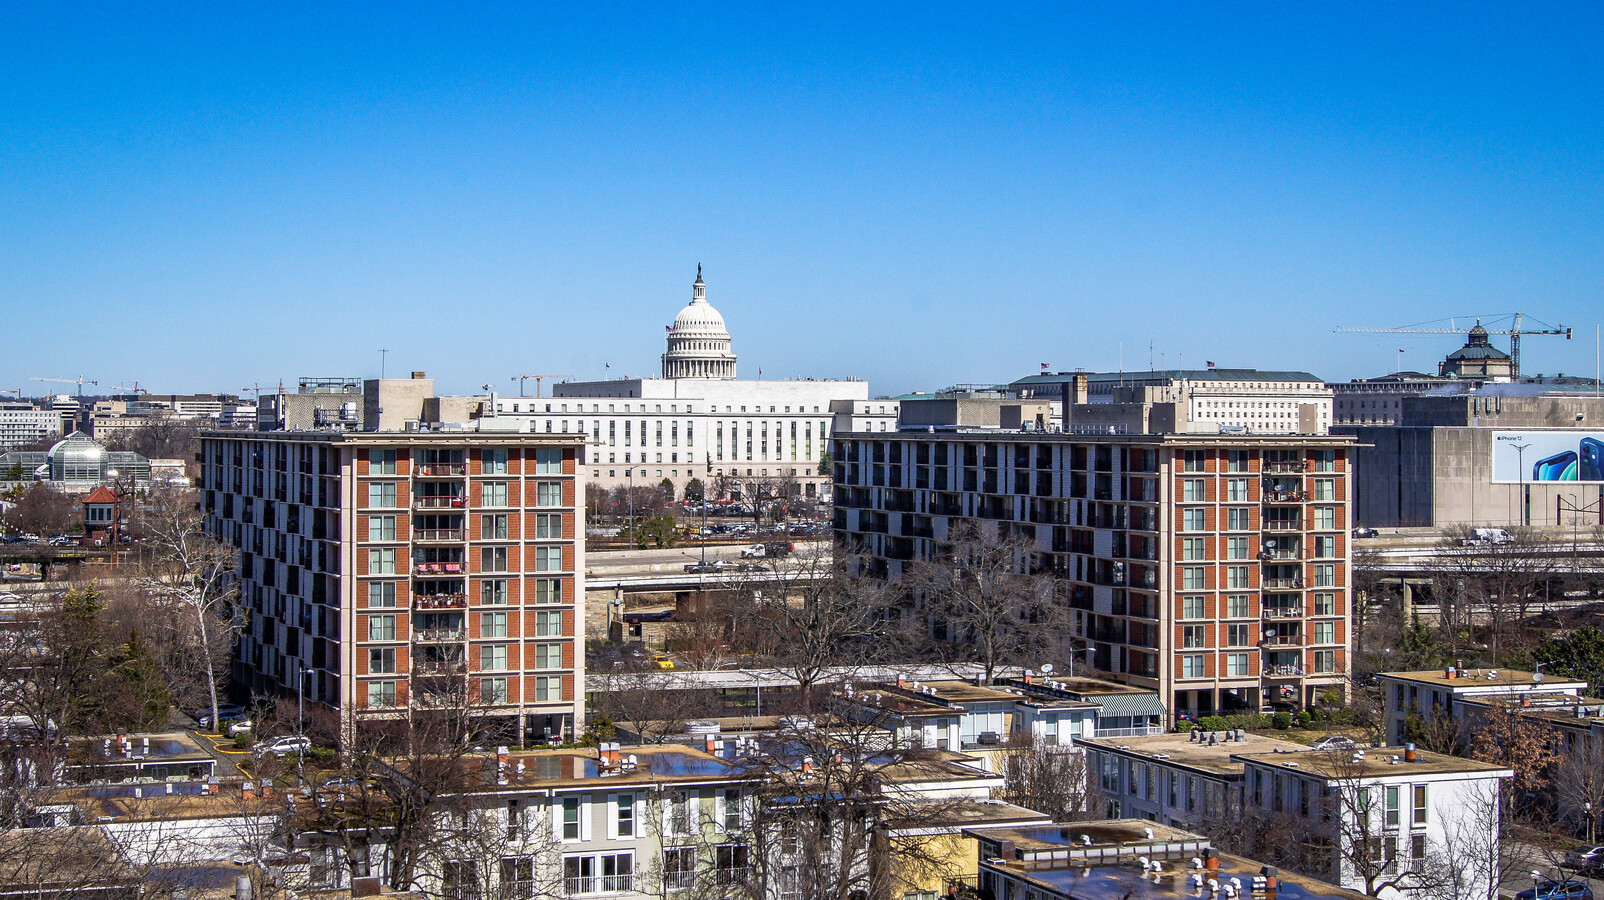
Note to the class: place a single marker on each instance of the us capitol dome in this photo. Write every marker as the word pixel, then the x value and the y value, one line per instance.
pixel 698 343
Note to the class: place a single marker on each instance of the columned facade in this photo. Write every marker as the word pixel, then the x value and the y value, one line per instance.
pixel 698 343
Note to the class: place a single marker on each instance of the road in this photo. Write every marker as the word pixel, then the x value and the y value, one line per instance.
pixel 643 562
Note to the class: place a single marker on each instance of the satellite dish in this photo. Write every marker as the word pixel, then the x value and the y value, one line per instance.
pixel 1538 677
pixel 1047 668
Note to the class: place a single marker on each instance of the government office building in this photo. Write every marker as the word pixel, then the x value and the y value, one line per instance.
pixel 1212 568
pixel 394 571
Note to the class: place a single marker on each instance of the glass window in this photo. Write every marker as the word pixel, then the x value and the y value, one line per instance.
pixel 1194 578
pixel 548 559
pixel 1325 546
pixel 1325 489
pixel 381 494
pixel 1194 520
pixel 381 561
pixel 1236 461
pixel 548 590
pixel 493 527
pixel 1194 548
pixel 1325 460
pixel 1325 575
pixel 1238 548
pixel 493 657
pixel 381 528
pixel 1192 607
pixel 548 656
pixel 1238 634
pixel 1194 460
pixel 1192 665
pixel 493 592
pixel 493 493
pixel 494 461
pixel 548 687
pixel 549 526
pixel 1236 665
pixel 1420 804
pixel 1236 490
pixel 1325 661
pixel 381 694
pixel 1236 577
pixel 1236 518
pixel 1325 517
pixel 1392 806
pixel 548 461
pixel 381 628
pixel 1194 490
pixel 549 623
pixel 382 462
pixel 1325 632
pixel 381 661
pixel 1194 636
pixel 492 559
pixel 549 493
pixel 493 624
pixel 624 812
pixel 381 593
pixel 570 818
pixel 1325 604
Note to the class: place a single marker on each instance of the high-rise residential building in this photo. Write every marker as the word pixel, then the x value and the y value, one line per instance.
pixel 1211 568
pixel 699 421
pixel 394 570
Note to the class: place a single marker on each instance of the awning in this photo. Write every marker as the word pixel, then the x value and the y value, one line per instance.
pixel 1122 705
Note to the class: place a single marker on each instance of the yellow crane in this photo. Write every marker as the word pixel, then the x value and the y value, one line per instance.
pixel 1514 331
pixel 538 379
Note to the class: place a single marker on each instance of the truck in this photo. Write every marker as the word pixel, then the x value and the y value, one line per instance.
pixel 1481 536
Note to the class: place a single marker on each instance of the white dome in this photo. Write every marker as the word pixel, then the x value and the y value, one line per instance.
pixel 698 343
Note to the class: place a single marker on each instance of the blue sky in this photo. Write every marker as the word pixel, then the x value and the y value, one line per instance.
pixel 206 197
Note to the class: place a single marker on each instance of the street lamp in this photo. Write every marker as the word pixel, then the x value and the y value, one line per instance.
pixel 631 474
pixel 759 679
pixel 1520 474
pixel 1072 657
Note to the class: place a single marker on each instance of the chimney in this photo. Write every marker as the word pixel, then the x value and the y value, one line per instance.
pixel 1450 673
pixel 249 790
pixel 709 744
pixel 1211 859
pixel 902 682
pixel 1409 752
pixel 1272 881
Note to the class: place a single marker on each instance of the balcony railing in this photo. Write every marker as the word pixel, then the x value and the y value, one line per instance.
pixel 441 470
pixel 1138 731
pixel 439 667
pixel 1282 525
pixel 1283 640
pixel 439 635
pixel 440 601
pixel 441 568
pixel 1285 496
pixel 1297 466
pixel 437 535
pixel 423 501
pixel 1283 671
pixel 1278 554
pixel 1282 612
pixel 599 884
pixel 1282 584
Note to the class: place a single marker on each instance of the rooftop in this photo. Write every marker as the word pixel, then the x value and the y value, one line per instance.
pixel 1181 750
pixel 1471 679
pixel 1215 374
pixel 1384 762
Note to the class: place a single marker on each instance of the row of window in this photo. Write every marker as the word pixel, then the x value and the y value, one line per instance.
pixel 1195 578
pixel 385 694
pixel 1240 606
pixel 1240 665
pixel 1237 518
pixel 1240 634
pixel 1195 490
pixel 1238 460
pixel 384 494
pixel 382 560
pixel 382 627
pixel 492 592
pixel 492 461
pixel 492 527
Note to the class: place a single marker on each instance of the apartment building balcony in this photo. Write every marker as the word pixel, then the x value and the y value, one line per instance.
pixel 437 535
pixel 1281 612
pixel 441 470
pixel 1281 553
pixel 428 667
pixel 1283 584
pixel 1286 497
pixel 439 635
pixel 441 568
pixel 440 601
pixel 1283 525
pixel 1284 466
pixel 439 501
pixel 1282 671
pixel 1282 640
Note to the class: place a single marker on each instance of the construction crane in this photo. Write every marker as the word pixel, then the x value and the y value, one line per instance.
pixel 1514 332
pixel 80 381
pixel 135 387
pixel 538 379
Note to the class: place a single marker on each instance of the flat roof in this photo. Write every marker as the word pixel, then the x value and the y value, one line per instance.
pixel 1383 762
pixel 966 813
pixel 1151 375
pixel 548 769
pixel 1179 750
pixel 955 691
pixel 449 435
pixel 1468 679
pixel 1130 882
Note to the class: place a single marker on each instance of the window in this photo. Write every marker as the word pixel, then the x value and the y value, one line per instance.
pixel 1325 604
pixel 1325 517
pixel 1325 460
pixel 1392 806
pixel 381 494
pixel 1325 546
pixel 493 527
pixel 549 526
pixel 1325 575
pixel 493 493
pixel 1194 548
pixel 1325 661
pixel 493 690
pixel 548 461
pixel 1192 665
pixel 1236 490
pixel 493 592
pixel 570 819
pixel 492 559
pixel 493 624
pixel 1193 578
pixel 381 528
pixel 1193 460
pixel 381 694
pixel 1236 577
pixel 548 624
pixel 624 815
pixel 677 813
pixel 730 863
pixel 381 661
pixel 493 461
pixel 1325 489
pixel 549 493
pixel 1193 490
pixel 493 657
pixel 381 628
pixel 548 590
pixel 679 868
pixel 1420 806
pixel 1236 461
pixel 1192 607
pixel 548 656
pixel 1325 632
pixel 1238 635
pixel 1194 636
pixel 382 462
pixel 1236 518
pixel 548 559
pixel 381 561
pixel 381 593
pixel 1238 548
pixel 1236 665
pixel 517 874
pixel 1194 520
pixel 548 687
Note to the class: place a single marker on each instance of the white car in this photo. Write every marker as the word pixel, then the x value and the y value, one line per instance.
pixel 283 746
pixel 238 727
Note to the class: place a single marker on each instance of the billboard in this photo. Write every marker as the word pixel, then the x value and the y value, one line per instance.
pixel 1527 456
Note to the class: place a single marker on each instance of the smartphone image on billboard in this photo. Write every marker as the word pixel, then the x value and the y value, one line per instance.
pixel 1559 467
pixel 1592 462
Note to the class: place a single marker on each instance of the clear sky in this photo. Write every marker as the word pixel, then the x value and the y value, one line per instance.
pixel 208 197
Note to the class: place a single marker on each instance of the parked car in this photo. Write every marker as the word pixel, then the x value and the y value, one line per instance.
pixel 283 746
pixel 226 712
pixel 704 568
pixel 238 727
pixel 768 550
pixel 1586 859
pixel 1335 742
pixel 662 661
pixel 1365 532
pixel 1557 890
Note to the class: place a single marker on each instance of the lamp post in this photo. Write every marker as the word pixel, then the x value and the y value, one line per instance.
pixel 1520 474
pixel 631 474
pixel 759 679
pixel 1072 657
pixel 300 725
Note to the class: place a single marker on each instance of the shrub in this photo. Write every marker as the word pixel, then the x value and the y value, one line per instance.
pixel 1304 719
pixel 1282 721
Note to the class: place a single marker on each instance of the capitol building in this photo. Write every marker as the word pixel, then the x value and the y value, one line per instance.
pixel 698 420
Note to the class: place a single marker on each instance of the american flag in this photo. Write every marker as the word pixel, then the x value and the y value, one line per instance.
pixel 1211 363
pixel 1044 367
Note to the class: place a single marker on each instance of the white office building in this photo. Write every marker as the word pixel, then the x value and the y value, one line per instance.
pixel 699 421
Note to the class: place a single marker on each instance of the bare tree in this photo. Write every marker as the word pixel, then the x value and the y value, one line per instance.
pixel 186 566
pixel 654 705
pixel 1579 785
pixel 41 509
pixel 1051 779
